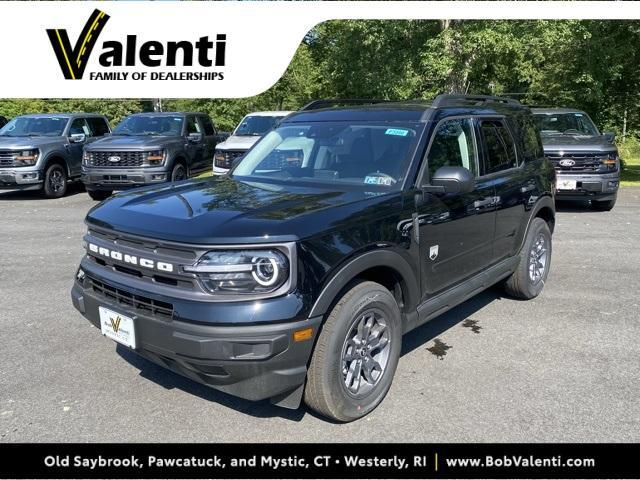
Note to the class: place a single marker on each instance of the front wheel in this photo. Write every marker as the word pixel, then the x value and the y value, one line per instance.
pixel 178 173
pixel 356 354
pixel 528 279
pixel 55 181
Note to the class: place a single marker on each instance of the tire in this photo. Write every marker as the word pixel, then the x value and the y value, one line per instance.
pixel 328 381
pixel 527 281
pixel 178 173
pixel 55 181
pixel 99 195
pixel 603 206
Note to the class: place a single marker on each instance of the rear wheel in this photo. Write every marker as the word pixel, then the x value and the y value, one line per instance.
pixel 99 195
pixel 528 279
pixel 356 355
pixel 178 173
pixel 55 181
pixel 603 206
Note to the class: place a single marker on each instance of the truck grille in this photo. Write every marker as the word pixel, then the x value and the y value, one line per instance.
pixel 7 158
pixel 583 162
pixel 140 303
pixel 107 159
pixel 228 157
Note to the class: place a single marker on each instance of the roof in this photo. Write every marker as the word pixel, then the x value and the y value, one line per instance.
pixel 165 114
pixel 552 110
pixel 406 111
pixel 275 113
pixel 60 115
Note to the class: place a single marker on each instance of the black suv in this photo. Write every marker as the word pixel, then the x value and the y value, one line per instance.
pixel 340 231
pixel 586 161
pixel 3 121
pixel 149 148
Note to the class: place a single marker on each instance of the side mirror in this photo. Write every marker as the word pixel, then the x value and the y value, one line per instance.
pixel 77 138
pixel 609 136
pixel 194 137
pixel 451 180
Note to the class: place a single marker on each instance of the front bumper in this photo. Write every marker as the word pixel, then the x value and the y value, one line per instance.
pixel 595 186
pixel 20 179
pixel 252 361
pixel 121 178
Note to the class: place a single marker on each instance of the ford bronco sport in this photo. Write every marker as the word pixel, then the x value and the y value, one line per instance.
pixel 148 148
pixel 43 152
pixel 296 275
pixel 586 161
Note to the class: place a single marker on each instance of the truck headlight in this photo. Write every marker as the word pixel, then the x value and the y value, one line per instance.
pixel 87 158
pixel 610 163
pixel 239 272
pixel 154 158
pixel 26 158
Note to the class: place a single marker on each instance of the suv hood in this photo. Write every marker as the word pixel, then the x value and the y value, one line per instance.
pixel 135 143
pixel 26 143
pixel 223 210
pixel 237 142
pixel 577 143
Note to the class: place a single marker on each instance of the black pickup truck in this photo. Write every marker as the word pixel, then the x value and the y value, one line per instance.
pixel 343 229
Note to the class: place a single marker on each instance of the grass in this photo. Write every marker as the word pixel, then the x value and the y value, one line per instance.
pixel 205 174
pixel 630 153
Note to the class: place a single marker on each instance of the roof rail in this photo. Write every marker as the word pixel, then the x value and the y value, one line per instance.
pixel 329 102
pixel 449 99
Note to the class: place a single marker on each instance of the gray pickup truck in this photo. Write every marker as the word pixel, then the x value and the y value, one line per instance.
pixel 149 148
pixel 44 152
pixel 586 161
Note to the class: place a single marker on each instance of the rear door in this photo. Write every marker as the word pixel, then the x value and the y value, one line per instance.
pixel 195 149
pixel 455 230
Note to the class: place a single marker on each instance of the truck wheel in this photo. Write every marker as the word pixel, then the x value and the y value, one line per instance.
pixel 99 195
pixel 55 181
pixel 178 173
pixel 528 279
pixel 356 354
pixel 603 206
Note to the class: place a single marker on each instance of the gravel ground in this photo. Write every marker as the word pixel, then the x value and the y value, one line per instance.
pixel 564 367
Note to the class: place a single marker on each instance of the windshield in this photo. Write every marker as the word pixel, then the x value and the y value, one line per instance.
pixel 332 153
pixel 256 125
pixel 565 124
pixel 162 125
pixel 35 127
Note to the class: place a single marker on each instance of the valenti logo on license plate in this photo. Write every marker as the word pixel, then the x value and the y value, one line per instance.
pixel 118 327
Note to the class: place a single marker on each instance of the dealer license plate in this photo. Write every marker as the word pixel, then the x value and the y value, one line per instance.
pixel 118 327
pixel 567 184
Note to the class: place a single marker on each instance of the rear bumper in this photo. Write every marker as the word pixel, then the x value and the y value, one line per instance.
pixel 19 179
pixel 597 187
pixel 250 361
pixel 117 178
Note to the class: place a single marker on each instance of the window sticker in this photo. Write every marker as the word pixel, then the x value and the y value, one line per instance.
pixel 377 180
pixel 399 132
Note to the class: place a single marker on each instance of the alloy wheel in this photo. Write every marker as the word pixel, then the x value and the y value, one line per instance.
pixel 538 259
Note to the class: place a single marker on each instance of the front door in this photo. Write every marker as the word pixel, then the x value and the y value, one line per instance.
pixel 456 231
pixel 195 149
pixel 78 126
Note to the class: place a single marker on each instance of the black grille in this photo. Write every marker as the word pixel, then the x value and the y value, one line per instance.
pixel 583 162
pixel 140 303
pixel 107 159
pixel 225 158
pixel 7 158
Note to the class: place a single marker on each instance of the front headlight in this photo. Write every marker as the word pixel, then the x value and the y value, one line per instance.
pixel 242 272
pixel 610 163
pixel 86 158
pixel 26 158
pixel 154 158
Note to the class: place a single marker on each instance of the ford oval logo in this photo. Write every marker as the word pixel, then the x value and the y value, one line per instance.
pixel 114 159
pixel 567 163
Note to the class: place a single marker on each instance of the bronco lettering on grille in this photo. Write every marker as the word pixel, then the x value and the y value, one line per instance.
pixel 131 259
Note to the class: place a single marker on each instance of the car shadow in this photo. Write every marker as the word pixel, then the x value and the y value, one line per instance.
pixel 73 188
pixel 573 206
pixel 264 409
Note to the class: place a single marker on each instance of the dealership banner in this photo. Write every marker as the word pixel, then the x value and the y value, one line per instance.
pixel 319 461
pixel 200 49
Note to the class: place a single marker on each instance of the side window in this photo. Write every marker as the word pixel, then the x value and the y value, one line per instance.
pixel 79 126
pixel 453 146
pixel 207 124
pixel 500 150
pixel 192 125
pixel 99 126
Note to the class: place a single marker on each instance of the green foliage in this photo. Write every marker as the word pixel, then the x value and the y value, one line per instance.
pixel 630 154
pixel 588 64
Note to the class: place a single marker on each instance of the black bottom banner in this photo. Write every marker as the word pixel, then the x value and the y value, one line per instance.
pixel 319 460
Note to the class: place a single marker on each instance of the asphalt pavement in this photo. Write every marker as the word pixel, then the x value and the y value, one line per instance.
pixel 564 367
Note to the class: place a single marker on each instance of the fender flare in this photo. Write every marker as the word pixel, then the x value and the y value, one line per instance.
pixel 546 201
pixel 56 155
pixel 371 259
